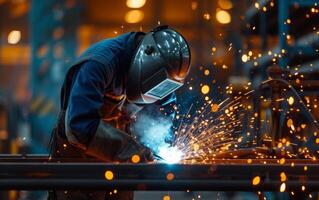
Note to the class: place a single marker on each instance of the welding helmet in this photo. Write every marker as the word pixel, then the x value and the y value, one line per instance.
pixel 159 66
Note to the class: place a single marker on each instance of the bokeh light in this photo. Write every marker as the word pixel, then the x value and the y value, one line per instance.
pixel 244 58
pixel 14 37
pixel 282 187
pixel 205 89
pixel 223 16
pixel 109 175
pixel 166 197
pixel 135 159
pixel 134 16
pixel 256 180
pixel 135 3
pixel 225 4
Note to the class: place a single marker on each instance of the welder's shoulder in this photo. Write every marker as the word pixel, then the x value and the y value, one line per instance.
pixel 92 68
pixel 109 50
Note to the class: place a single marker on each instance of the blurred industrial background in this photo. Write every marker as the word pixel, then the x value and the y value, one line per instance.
pixel 233 43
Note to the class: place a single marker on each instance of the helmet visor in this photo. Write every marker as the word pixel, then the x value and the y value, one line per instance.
pixel 163 89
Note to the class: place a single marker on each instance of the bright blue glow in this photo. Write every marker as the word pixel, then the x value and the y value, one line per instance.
pixel 170 155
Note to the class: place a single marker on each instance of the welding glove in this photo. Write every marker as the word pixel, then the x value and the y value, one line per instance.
pixel 112 144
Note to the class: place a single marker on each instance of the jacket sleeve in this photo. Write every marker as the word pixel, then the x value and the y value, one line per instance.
pixel 85 101
pixel 84 127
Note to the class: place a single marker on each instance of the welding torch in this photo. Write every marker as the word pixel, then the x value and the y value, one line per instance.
pixel 158 157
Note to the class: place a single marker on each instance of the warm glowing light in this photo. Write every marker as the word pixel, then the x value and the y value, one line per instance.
pixel 244 58
pixel 282 187
pixel 109 175
pixel 282 161
pixel 207 16
pixel 205 89
pixel 283 177
pixel 135 3
pixel 134 16
pixel 206 72
pixel 256 180
pixel 14 37
pixel 194 5
pixel 135 159
pixel 214 107
pixel 166 197
pixel 303 188
pixel 291 100
pixel 170 154
pixel 195 147
pixel 170 176
pixel 225 4
pixel 279 145
pixel 223 17
pixel 290 123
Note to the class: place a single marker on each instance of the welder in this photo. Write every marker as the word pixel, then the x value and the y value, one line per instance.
pixel 105 89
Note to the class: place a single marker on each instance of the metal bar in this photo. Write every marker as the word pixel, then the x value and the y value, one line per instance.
pixel 155 185
pixel 29 174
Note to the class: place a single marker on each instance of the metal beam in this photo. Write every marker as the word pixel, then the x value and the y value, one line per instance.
pixel 220 175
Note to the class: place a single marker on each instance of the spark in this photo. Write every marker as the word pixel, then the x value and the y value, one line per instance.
pixel 283 177
pixel 303 188
pixel 282 187
pixel 291 100
pixel 219 130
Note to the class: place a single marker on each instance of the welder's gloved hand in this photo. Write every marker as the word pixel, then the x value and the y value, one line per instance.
pixel 133 148
pixel 112 144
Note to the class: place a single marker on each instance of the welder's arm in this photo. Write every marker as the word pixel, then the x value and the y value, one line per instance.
pixel 113 144
pixel 84 127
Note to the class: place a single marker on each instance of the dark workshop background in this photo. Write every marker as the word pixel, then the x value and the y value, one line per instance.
pixel 233 42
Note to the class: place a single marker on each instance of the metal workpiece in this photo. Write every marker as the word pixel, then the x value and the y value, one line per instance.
pixel 34 173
